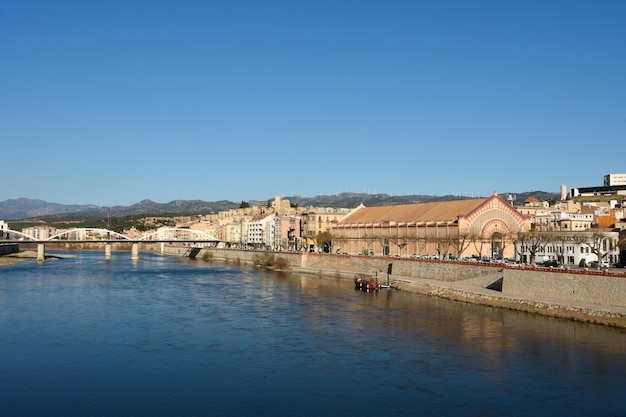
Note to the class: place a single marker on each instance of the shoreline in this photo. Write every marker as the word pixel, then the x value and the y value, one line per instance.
pixel 610 316
pixel 10 260
pixel 605 315
pixel 591 314
pixel 26 255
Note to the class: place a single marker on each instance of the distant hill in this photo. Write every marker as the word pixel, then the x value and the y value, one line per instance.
pixel 351 200
pixel 21 208
pixel 24 208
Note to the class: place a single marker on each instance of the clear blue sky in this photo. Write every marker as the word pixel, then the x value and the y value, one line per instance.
pixel 112 102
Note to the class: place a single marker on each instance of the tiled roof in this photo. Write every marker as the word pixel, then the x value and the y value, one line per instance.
pixel 420 212
pixel 531 199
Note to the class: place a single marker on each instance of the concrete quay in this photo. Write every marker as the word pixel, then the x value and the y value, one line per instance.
pixel 584 296
pixel 9 248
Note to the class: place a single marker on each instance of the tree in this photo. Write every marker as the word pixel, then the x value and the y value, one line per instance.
pixel 324 240
pixel 460 243
pixel 401 243
pixel 244 204
pixel 622 240
pixel 532 242
pixel 341 242
pixel 498 243
pixel 478 243
pixel 443 247
pixel 599 244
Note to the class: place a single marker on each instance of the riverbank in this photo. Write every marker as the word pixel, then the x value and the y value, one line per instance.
pixel 583 297
pixel 612 316
pixel 552 293
pixel 14 258
pixel 587 313
pixel 9 260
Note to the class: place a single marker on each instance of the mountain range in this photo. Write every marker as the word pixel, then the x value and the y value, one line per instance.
pixel 24 208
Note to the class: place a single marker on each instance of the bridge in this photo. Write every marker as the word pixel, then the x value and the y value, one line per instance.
pixel 107 237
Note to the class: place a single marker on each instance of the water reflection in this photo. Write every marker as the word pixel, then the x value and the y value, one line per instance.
pixel 170 336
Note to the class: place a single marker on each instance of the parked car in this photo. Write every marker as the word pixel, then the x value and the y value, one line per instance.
pixel 551 262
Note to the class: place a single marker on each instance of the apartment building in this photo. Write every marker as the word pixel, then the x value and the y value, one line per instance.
pixel 261 232
pixel 612 180
pixel 39 232
pixel 286 233
pixel 557 220
pixel 580 248
pixel 317 220
pixel 613 184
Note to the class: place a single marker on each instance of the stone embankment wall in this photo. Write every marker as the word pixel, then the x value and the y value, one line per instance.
pixel 7 248
pixel 567 286
pixel 600 289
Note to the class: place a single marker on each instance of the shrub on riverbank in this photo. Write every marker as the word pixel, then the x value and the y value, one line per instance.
pixel 207 256
pixel 268 260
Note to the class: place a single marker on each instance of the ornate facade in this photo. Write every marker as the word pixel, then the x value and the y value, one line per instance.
pixel 485 227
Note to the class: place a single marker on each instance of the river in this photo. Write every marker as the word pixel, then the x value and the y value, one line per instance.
pixel 165 336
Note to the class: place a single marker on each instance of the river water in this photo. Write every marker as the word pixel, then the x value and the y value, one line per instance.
pixel 164 336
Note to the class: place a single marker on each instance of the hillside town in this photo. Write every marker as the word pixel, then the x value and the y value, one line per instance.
pixel 585 227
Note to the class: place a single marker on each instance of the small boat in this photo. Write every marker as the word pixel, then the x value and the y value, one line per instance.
pixel 365 283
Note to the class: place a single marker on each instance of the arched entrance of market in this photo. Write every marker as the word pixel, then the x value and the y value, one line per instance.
pixel 497 245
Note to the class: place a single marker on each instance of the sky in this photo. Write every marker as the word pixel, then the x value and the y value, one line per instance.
pixel 113 102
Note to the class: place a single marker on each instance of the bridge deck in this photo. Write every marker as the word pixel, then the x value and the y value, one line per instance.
pixel 111 241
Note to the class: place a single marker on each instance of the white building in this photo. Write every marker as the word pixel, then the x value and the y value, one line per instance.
pixel 614 184
pixel 260 231
pixel 3 230
pixel 569 248
pixel 612 180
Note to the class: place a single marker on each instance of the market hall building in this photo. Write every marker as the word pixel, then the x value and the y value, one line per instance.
pixel 483 227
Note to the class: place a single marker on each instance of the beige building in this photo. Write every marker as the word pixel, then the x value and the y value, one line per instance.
pixel 287 232
pixel 315 221
pixel 484 227
pixel 41 232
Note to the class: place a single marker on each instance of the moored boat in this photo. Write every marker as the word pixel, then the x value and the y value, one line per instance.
pixel 365 282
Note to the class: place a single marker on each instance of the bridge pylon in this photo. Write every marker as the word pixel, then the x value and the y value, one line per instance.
pixel 41 252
